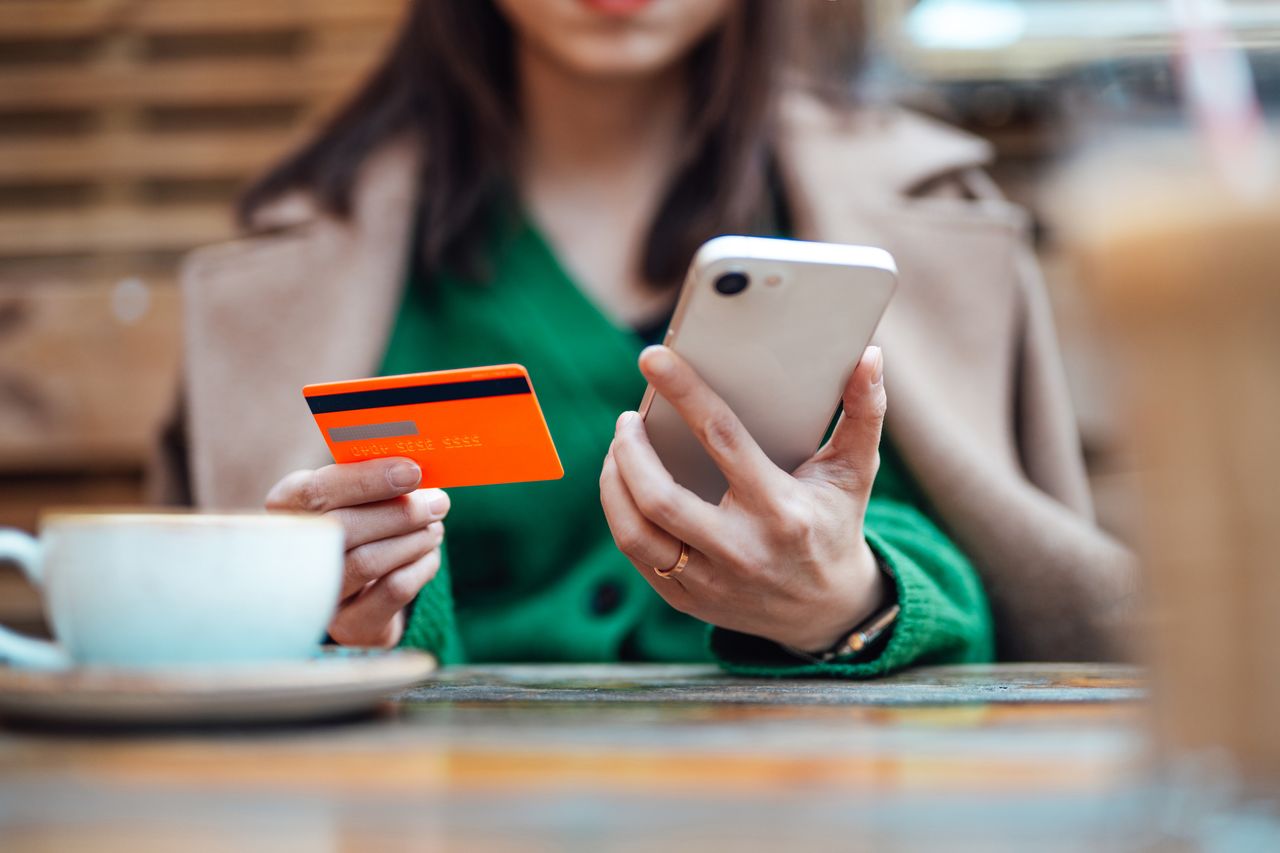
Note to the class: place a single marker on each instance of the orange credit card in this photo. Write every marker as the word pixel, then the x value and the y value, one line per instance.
pixel 471 427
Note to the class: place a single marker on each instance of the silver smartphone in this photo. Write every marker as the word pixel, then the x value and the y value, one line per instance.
pixel 775 327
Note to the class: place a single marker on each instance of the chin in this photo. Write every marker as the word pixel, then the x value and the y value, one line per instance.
pixel 616 55
pixel 614 38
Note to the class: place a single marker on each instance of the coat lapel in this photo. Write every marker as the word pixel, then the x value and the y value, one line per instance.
pixel 948 333
pixel 312 302
pixel 978 405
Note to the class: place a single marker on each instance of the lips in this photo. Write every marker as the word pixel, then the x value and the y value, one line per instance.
pixel 615 7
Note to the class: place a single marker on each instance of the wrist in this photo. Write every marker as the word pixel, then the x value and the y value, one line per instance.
pixel 868 592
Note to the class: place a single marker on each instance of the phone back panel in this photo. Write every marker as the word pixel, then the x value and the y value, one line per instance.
pixel 779 352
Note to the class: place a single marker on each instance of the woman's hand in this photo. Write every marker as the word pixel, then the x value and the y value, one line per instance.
pixel 393 537
pixel 783 555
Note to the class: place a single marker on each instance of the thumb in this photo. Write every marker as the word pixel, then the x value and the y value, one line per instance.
pixel 851 457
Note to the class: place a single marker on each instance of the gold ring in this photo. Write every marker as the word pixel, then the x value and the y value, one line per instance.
pixel 678 567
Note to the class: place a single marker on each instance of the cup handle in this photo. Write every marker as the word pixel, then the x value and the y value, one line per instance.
pixel 24 550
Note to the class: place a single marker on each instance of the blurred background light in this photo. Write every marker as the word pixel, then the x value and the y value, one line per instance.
pixel 966 24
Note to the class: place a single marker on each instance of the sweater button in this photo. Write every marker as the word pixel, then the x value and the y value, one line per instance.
pixel 606 598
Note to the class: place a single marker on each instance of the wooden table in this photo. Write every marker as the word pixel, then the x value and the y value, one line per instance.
pixel 623 757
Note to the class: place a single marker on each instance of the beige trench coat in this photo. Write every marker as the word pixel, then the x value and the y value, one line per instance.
pixel 978 405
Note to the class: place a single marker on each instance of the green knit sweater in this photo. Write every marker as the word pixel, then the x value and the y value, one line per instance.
pixel 530 571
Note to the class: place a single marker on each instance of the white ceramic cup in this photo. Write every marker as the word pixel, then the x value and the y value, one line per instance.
pixel 163 589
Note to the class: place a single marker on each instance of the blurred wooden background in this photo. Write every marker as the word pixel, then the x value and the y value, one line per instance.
pixel 126 129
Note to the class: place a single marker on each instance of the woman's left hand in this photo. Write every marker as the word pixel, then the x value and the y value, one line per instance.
pixel 783 555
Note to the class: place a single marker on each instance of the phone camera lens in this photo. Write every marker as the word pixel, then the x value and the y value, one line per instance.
pixel 732 283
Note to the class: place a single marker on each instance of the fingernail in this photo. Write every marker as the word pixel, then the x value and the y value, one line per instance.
pixel 659 361
pixel 624 419
pixel 403 475
pixel 439 505
pixel 877 374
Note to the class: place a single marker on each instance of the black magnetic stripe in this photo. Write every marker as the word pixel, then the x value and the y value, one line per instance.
pixel 322 404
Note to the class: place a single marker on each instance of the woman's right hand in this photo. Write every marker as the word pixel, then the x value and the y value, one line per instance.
pixel 393 536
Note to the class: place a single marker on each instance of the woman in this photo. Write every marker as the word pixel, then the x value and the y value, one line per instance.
pixel 526 180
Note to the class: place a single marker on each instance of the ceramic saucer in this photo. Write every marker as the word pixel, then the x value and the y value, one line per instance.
pixel 335 682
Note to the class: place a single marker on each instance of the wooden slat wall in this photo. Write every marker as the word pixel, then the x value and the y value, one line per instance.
pixel 126 129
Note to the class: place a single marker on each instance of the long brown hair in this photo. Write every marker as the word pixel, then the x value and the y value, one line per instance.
pixel 449 78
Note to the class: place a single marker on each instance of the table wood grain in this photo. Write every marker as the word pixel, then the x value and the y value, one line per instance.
pixel 621 757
